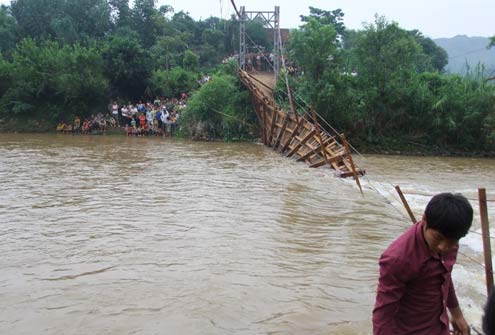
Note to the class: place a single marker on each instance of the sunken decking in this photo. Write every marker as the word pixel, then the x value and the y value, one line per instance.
pixel 296 136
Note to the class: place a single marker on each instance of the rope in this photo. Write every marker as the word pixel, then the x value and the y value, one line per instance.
pixel 473 260
pixel 476 330
pixel 480 234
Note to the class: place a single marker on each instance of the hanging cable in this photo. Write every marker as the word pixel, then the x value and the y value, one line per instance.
pixel 235 8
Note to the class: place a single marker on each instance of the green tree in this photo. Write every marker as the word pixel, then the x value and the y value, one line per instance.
pixel 120 13
pixel 334 18
pixel 67 20
pixel 167 51
pixel 222 107
pixel 127 64
pixel 314 48
pixel 492 42
pixel 5 78
pixel 148 21
pixel 211 49
pixel 387 59
pixel 8 32
pixel 434 57
pixel 258 36
pixel 172 83
pixel 51 81
pixel 191 61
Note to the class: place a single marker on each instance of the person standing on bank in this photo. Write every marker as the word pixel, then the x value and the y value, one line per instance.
pixel 415 287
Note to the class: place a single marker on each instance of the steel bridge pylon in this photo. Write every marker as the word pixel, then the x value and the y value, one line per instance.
pixel 272 19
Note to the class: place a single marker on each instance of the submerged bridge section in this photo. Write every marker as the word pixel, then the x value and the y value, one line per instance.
pixel 297 135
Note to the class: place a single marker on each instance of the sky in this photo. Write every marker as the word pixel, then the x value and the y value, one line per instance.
pixel 434 18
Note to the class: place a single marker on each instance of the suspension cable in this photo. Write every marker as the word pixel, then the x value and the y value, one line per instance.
pixel 235 8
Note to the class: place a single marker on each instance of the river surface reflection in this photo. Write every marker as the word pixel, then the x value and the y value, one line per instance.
pixel 115 235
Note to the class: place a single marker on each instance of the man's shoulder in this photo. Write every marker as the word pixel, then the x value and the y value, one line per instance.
pixel 403 247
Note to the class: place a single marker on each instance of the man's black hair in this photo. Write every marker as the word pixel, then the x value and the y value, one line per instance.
pixel 489 316
pixel 450 214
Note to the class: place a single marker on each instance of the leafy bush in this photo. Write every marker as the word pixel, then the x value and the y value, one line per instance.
pixel 220 109
pixel 53 81
pixel 172 83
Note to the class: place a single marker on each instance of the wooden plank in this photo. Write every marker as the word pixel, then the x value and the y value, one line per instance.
pixel 301 142
pixel 260 82
pixel 339 151
pixel 312 150
pixel 282 130
pixel 328 160
pixel 266 116
pixel 294 134
pixel 318 134
pixel 353 168
pixel 272 127
pixel 301 138
pixel 261 116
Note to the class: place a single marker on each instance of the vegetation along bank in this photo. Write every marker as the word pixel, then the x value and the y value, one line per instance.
pixel 384 86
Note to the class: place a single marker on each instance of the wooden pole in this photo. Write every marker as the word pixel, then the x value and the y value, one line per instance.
pixel 323 150
pixel 487 248
pixel 406 205
pixel 348 152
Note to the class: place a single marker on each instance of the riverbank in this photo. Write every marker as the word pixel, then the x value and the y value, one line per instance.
pixel 407 148
pixel 395 147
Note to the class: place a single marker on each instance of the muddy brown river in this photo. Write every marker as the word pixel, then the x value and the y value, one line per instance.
pixel 115 235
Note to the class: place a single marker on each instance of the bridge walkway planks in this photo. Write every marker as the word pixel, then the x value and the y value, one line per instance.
pixel 296 136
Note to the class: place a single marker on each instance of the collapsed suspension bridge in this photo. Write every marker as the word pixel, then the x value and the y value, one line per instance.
pixel 297 136
pixel 294 135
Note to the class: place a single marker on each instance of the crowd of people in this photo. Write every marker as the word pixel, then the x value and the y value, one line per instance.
pixel 140 119
pixel 262 62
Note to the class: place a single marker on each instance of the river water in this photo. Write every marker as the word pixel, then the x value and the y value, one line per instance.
pixel 116 235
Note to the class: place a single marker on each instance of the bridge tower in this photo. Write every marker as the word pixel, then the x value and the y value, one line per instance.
pixel 271 19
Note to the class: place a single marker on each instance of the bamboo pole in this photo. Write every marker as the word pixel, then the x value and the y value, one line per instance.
pixel 406 205
pixel 487 248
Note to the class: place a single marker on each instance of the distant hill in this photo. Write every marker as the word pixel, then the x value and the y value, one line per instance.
pixel 464 50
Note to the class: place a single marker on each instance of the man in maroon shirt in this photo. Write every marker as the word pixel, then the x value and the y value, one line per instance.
pixel 415 286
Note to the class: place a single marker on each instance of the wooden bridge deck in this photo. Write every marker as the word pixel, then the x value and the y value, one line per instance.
pixel 296 136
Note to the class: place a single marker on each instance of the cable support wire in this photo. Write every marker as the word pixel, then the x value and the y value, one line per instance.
pixel 336 133
pixel 474 260
pixel 235 8
pixel 463 254
pixel 480 234
pixel 430 195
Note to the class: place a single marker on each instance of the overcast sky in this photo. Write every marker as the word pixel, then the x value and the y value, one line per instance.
pixel 435 18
